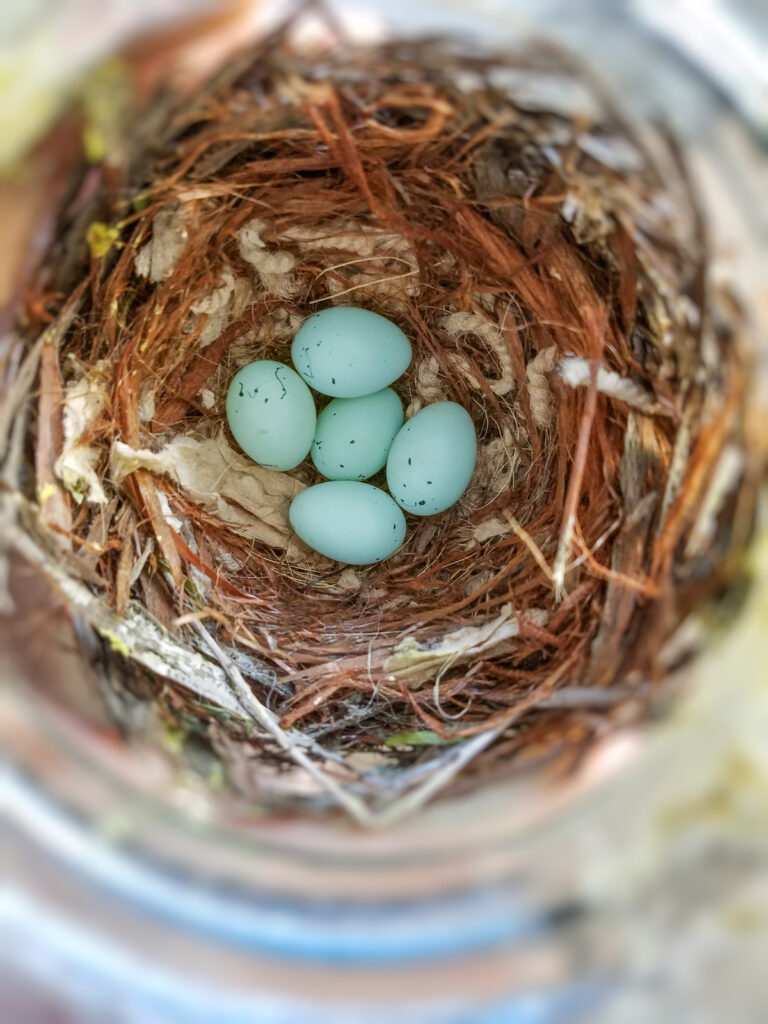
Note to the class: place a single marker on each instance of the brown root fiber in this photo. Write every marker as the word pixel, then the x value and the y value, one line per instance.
pixel 549 265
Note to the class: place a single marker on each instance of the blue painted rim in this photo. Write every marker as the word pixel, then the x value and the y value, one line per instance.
pixel 98 980
pixel 326 931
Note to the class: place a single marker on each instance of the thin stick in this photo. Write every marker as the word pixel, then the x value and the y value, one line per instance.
pixel 419 796
pixel 355 807
pixel 577 476
pixel 529 542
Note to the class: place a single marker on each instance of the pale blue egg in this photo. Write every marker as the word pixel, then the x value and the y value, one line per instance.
pixel 354 435
pixel 432 459
pixel 348 521
pixel 347 352
pixel 271 413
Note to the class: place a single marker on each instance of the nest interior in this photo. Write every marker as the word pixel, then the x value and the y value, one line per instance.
pixel 549 264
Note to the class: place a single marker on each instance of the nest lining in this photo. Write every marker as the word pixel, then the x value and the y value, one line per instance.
pixel 548 263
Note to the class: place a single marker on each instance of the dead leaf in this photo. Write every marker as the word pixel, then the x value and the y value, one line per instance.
pixel 250 499
pixel 274 266
pixel 415 662
pixel 157 259
pixel 227 301
pixel 84 401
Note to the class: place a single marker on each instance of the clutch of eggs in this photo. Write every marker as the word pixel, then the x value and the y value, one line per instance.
pixel 352 355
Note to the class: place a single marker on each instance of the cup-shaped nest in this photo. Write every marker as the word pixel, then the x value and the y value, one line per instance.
pixel 549 265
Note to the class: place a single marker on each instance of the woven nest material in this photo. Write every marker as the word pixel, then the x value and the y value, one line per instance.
pixel 548 263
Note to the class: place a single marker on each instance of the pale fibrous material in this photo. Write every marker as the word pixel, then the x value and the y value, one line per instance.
pixel 76 467
pixel 577 373
pixel 475 323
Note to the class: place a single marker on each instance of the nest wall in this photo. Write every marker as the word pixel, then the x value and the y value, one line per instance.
pixel 549 264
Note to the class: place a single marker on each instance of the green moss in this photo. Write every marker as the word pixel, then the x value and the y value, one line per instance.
pixel 117 643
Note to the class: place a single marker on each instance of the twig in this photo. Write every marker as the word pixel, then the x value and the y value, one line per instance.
pixel 406 805
pixel 245 697
pixel 22 384
pixel 579 463
pixel 529 542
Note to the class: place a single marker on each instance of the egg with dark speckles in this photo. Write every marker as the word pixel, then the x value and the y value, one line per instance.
pixel 346 352
pixel 354 435
pixel 348 521
pixel 432 459
pixel 271 413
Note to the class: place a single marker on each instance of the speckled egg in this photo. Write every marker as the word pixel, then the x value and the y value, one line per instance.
pixel 348 521
pixel 271 413
pixel 432 459
pixel 347 352
pixel 354 435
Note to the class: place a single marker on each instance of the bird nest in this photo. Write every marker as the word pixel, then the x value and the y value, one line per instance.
pixel 549 264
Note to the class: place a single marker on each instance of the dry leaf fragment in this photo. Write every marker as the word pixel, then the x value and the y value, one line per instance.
pixel 251 500
pixel 274 267
pixel 84 401
pixel 225 302
pixel 493 527
pixel 157 259
pixel 416 662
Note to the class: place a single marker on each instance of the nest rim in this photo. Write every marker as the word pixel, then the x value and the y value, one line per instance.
pixel 596 423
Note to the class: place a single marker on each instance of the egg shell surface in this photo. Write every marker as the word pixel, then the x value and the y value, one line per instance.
pixel 348 521
pixel 346 352
pixel 432 459
pixel 354 435
pixel 271 413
